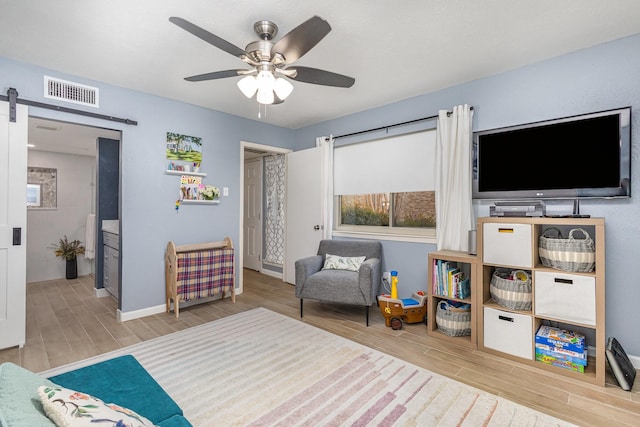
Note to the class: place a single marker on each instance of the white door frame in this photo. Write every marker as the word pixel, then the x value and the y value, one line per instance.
pixel 253 218
pixel 240 243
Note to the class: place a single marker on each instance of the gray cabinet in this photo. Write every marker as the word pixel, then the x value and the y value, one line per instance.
pixel 111 277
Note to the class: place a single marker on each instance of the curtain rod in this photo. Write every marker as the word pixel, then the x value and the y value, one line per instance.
pixel 393 125
pixel 12 96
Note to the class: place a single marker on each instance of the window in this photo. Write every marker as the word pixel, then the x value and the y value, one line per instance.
pixel 41 187
pixel 386 186
pixel 33 194
pixel 400 213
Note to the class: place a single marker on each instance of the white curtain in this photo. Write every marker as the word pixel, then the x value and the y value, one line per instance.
pixel 454 210
pixel 326 144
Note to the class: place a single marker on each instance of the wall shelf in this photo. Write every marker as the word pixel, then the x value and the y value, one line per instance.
pixel 173 172
pixel 199 202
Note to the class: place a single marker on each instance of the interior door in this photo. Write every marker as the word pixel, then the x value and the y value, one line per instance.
pixel 253 214
pixel 13 226
pixel 303 224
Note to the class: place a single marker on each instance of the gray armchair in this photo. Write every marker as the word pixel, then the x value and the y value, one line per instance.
pixel 341 286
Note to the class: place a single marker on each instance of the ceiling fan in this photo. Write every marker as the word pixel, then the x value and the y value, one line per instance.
pixel 271 61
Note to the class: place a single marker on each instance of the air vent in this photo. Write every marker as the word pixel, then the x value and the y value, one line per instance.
pixel 77 93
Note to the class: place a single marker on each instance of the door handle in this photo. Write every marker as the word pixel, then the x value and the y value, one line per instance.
pixel 17 236
pixel 316 227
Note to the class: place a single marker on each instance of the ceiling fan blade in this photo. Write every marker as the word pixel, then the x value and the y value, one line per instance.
pixel 301 39
pixel 208 37
pixel 215 75
pixel 321 77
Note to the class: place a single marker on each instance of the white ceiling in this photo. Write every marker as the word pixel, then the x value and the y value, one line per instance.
pixel 69 138
pixel 394 49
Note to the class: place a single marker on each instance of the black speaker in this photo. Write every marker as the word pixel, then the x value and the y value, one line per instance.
pixel 620 364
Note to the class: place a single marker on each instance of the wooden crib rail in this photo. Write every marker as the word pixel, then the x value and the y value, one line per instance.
pixel 172 256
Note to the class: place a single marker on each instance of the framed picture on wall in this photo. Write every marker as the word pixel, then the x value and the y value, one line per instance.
pixel 184 153
pixel 189 186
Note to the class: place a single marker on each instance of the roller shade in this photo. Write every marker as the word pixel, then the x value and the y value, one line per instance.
pixel 390 165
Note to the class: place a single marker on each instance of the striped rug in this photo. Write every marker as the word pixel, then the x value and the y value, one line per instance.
pixel 260 368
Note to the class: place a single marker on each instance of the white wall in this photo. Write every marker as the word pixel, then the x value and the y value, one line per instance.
pixel 76 183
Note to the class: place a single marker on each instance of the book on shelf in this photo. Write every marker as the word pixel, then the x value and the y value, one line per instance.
pixel 449 280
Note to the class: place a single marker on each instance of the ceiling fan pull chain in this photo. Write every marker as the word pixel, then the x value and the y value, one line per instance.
pixel 260 112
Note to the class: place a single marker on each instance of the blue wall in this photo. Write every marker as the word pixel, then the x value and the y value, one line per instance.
pixel 148 218
pixel 599 78
pixel 594 79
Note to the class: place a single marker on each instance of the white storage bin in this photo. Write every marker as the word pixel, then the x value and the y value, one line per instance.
pixel 565 296
pixel 508 332
pixel 507 244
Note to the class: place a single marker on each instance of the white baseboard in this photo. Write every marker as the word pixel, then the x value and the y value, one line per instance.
pixel 149 311
pixel 635 360
pixel 276 274
pixel 102 292
pixel 136 314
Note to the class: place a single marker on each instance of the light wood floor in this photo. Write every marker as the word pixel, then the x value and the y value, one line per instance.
pixel 65 323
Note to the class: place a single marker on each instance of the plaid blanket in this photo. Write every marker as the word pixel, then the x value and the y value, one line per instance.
pixel 202 274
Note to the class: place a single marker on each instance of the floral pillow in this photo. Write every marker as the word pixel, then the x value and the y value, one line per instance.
pixel 335 262
pixel 70 408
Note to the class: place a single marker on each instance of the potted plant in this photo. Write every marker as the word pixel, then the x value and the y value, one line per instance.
pixel 69 251
pixel 209 192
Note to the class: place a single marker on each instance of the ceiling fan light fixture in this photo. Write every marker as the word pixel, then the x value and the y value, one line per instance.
pixel 265 96
pixel 248 86
pixel 282 88
pixel 266 83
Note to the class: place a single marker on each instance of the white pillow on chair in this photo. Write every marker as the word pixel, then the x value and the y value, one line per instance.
pixel 335 262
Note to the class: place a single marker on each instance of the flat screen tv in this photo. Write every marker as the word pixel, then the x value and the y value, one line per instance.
pixel 574 157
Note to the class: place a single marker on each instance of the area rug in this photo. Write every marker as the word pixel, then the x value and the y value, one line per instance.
pixel 260 368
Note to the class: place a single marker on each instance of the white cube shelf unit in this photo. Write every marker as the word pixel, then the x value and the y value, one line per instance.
pixel 570 300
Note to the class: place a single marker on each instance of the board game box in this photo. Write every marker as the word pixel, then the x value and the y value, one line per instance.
pixel 559 350
pixel 582 360
pixel 560 338
pixel 549 360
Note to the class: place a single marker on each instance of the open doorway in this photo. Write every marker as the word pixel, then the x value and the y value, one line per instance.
pixel 261 168
pixel 63 164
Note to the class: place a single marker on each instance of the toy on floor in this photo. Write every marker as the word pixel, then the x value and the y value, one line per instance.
pixel 409 310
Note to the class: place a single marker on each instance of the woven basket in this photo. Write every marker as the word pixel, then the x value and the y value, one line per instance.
pixel 509 292
pixel 452 321
pixel 578 255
